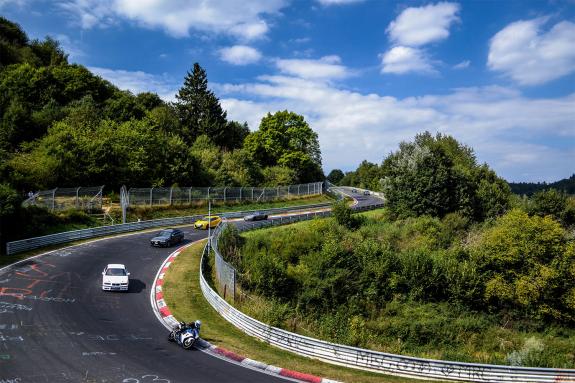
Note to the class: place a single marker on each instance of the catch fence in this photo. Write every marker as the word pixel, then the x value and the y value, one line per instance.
pixel 187 195
pixel 80 198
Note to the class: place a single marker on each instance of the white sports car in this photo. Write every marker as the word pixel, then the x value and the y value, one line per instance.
pixel 115 277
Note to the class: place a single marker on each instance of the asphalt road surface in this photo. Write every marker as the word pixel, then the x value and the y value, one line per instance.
pixel 57 325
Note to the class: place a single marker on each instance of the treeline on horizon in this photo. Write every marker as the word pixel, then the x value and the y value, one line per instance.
pixel 368 175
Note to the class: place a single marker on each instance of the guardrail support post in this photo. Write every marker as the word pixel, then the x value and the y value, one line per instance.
pixel 77 197
pixel 54 199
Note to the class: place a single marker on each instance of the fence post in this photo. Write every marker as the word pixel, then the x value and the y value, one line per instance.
pixel 77 197
pixel 190 196
pixel 241 193
pixel 288 191
pixel 307 189
pixel 225 188
pixel 171 193
pixel 278 193
pixel 208 194
pixel 151 195
pixel 54 199
pixel 298 190
pixel 252 193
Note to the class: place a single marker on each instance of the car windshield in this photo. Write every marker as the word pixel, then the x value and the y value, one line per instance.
pixel 165 233
pixel 210 219
pixel 116 272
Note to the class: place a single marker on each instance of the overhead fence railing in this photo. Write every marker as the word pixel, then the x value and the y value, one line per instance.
pixel 365 359
pixel 80 198
pixel 90 198
pixel 189 195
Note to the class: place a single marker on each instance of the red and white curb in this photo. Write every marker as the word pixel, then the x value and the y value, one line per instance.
pixel 164 315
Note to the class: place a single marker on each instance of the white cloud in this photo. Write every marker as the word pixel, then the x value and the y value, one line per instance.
pixel 138 81
pixel 13 3
pixel 419 26
pixel 240 55
pixel 462 65
pixel 499 123
pixel 327 67
pixel 71 47
pixel 338 2
pixel 531 56
pixel 401 60
pixel 242 19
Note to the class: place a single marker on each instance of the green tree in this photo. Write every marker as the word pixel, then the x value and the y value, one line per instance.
pixel 199 109
pixel 335 176
pixel 436 176
pixel 527 264
pixel 285 139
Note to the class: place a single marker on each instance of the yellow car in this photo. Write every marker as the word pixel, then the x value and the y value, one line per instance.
pixel 212 222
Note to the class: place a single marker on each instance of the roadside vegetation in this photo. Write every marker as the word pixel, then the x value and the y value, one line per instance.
pixel 182 293
pixel 456 267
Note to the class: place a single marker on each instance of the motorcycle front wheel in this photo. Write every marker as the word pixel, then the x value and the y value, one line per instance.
pixel 172 336
pixel 188 343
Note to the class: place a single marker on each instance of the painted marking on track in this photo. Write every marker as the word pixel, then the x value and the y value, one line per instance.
pixel 5 338
pixel 97 353
pixel 14 306
pixel 10 380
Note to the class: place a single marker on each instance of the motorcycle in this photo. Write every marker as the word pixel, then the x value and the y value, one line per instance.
pixel 184 335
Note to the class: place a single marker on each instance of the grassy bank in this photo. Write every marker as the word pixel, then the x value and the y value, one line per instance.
pixel 184 297
pixel 423 286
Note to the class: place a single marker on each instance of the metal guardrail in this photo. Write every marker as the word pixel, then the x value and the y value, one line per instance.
pixel 20 246
pixel 374 360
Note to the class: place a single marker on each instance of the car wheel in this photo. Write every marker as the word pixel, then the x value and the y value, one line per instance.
pixel 188 343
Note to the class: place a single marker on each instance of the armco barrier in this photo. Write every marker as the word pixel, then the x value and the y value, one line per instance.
pixel 20 246
pixel 373 360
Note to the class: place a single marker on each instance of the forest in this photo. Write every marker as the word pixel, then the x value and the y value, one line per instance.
pixel 455 267
pixel 63 126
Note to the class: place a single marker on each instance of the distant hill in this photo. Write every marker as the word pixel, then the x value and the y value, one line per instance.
pixel 529 188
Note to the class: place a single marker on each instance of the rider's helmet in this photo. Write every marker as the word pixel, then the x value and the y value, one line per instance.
pixel 198 324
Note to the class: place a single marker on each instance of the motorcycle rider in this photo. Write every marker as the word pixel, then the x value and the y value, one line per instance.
pixel 196 326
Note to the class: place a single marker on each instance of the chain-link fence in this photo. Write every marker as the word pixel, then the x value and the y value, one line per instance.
pixel 81 198
pixel 188 195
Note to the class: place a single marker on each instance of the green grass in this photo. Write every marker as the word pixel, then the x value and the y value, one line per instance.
pixel 184 297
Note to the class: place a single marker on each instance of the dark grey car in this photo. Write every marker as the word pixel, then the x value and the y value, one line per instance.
pixel 256 217
pixel 167 237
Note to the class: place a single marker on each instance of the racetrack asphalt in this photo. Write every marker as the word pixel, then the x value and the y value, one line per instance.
pixel 57 325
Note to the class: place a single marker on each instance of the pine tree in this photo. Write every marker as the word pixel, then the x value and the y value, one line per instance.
pixel 199 110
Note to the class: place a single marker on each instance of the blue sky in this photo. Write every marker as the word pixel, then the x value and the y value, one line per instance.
pixel 499 76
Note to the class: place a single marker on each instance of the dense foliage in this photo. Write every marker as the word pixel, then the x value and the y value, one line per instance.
pixel 434 176
pixel 566 185
pixel 426 286
pixel 454 261
pixel 63 126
